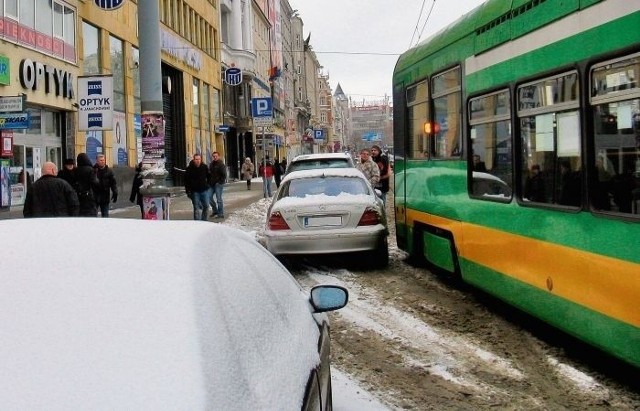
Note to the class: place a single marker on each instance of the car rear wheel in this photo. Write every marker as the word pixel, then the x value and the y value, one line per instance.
pixel 379 257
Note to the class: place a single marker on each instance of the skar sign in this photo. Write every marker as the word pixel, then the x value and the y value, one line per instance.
pixel 95 103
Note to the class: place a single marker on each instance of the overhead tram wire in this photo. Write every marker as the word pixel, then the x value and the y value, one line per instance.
pixel 417 23
pixel 425 22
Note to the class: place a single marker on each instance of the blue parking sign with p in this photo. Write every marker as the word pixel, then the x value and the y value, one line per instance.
pixel 261 107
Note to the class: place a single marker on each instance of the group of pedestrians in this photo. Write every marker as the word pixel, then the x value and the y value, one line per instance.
pixel 204 186
pixel 375 167
pixel 267 170
pixel 79 189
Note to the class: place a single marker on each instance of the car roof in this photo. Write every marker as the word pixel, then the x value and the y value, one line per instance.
pixel 139 314
pixel 305 157
pixel 327 172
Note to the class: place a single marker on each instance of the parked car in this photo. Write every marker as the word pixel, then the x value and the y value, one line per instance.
pixel 326 211
pixel 144 315
pixel 321 161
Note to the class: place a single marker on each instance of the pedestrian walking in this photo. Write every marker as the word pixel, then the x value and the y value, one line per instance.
pixel 266 172
pixel 68 172
pixel 247 171
pixel 218 177
pixel 385 171
pixel 50 196
pixel 135 196
pixel 368 167
pixel 196 184
pixel 107 187
pixel 277 173
pixel 87 183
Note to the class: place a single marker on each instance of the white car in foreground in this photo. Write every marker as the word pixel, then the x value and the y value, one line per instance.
pixel 115 314
pixel 327 211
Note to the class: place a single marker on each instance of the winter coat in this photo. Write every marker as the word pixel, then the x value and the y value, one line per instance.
pixel 69 176
pixel 51 197
pixel 370 171
pixel 87 182
pixel 247 170
pixel 196 179
pixel 217 173
pixel 383 166
pixel 107 185
pixel 135 196
pixel 266 172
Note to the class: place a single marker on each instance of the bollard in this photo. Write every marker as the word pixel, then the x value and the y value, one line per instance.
pixel 156 196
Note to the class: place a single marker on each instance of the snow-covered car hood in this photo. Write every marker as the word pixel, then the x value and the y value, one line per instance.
pixel 148 315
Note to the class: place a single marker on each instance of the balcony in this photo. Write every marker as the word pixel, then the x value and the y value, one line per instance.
pixel 242 59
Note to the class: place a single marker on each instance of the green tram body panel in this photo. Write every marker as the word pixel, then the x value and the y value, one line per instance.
pixel 440 187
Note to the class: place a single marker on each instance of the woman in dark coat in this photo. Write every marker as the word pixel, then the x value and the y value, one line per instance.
pixel 135 196
pixel 87 182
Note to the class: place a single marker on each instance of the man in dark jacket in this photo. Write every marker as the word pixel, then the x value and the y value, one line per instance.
pixel 68 172
pixel 218 175
pixel 196 184
pixel 87 183
pixel 107 188
pixel 50 196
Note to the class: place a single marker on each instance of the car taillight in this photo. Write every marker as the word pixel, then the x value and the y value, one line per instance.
pixel 277 222
pixel 370 217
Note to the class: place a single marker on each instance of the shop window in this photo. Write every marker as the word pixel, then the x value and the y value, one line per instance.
pixel 117 69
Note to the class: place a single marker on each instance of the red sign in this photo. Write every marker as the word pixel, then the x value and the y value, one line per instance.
pixel 7 144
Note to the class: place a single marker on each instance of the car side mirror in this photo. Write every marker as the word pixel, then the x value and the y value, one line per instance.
pixel 328 298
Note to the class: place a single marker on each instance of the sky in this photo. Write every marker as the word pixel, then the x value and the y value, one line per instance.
pixel 359 41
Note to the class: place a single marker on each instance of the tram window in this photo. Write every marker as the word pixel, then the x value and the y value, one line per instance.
pixel 548 111
pixel 615 185
pixel 418 115
pixel 491 147
pixel 446 114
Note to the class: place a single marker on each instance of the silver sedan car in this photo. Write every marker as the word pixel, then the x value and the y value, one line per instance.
pixel 326 211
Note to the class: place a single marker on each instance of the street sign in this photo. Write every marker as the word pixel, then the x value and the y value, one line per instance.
pixel 222 128
pixel 11 104
pixel 109 4
pixel 262 121
pixel 261 107
pixel 233 76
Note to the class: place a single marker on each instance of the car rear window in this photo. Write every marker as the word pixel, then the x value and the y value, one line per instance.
pixel 317 164
pixel 331 186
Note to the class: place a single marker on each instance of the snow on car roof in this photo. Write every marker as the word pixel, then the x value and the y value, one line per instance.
pixel 332 172
pixel 320 156
pixel 148 315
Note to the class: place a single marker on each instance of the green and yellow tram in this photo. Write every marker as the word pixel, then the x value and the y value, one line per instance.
pixel 517 160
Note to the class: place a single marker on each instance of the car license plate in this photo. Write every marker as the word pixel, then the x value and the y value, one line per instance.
pixel 322 221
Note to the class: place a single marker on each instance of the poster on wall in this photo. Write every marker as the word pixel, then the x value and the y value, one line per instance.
pixel 94 145
pixel 5 185
pixel 155 208
pixel 37 163
pixel 153 137
pixel 120 138
pixel 137 132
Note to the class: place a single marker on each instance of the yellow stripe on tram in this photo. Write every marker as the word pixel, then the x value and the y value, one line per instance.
pixel 603 284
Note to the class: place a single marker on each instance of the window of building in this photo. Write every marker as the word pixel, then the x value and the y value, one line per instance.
pixel 118 70
pixel 91 49
pixel 44 17
pixel 217 113
pixel 417 119
pixel 549 116
pixel 206 107
pixel 491 146
pixel 615 103
pixel 196 102
pixel 11 8
pixel 27 13
pixel 137 108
